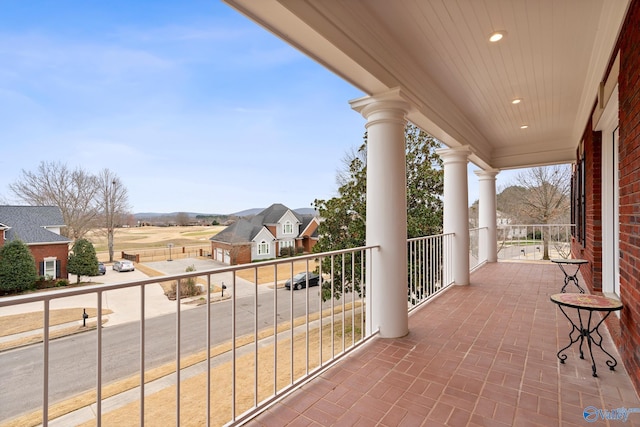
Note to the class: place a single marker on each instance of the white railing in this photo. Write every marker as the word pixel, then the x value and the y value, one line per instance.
pixel 430 267
pixel 528 242
pixel 477 257
pixel 250 346
pixel 269 339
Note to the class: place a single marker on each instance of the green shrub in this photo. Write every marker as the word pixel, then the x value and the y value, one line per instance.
pixel 284 252
pixel 83 260
pixel 45 283
pixel 17 268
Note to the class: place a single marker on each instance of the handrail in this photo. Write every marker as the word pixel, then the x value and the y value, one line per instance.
pixel 430 272
pixel 89 289
pixel 337 318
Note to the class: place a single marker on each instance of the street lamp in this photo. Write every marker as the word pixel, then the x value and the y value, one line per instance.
pixel 170 245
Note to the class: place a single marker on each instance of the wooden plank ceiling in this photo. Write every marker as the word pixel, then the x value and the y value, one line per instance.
pixel 553 55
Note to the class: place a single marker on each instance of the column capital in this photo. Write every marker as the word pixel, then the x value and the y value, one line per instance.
pixel 390 105
pixel 455 155
pixel 486 174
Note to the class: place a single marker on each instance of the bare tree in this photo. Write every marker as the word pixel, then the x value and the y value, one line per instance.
pixel 546 197
pixel 182 218
pixel 73 191
pixel 113 201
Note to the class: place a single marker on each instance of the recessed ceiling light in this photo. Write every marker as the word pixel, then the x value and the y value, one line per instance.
pixel 524 126
pixel 516 101
pixel 497 36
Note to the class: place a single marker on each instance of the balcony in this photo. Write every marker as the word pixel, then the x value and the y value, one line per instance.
pixel 483 354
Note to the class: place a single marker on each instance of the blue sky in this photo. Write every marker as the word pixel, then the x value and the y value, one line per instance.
pixel 192 105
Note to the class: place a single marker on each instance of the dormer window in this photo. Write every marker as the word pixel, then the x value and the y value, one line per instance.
pixel 287 228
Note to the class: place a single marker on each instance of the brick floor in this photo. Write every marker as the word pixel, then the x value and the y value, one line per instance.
pixel 478 355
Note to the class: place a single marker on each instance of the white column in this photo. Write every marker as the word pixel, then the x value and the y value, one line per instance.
pixel 456 208
pixel 488 246
pixel 386 212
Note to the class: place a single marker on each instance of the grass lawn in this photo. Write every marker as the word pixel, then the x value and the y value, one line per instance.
pixel 19 323
pixel 25 322
pixel 153 237
pixel 267 275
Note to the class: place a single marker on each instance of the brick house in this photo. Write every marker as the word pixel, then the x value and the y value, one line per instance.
pixel 264 235
pixel 606 191
pixel 39 228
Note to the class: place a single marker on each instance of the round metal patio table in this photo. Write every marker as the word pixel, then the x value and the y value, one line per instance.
pixel 582 330
pixel 567 276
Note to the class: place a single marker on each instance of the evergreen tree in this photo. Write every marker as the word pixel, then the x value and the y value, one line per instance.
pixel 343 224
pixel 83 260
pixel 17 267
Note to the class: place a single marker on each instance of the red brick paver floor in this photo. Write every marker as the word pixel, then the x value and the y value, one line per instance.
pixel 478 355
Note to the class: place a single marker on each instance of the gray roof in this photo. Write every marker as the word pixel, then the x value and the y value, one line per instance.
pixel 241 231
pixel 273 213
pixel 28 223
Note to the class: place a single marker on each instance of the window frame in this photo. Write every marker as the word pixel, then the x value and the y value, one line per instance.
pixel 263 248
pixel 52 261
pixel 287 227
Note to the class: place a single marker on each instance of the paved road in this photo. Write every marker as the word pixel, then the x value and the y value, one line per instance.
pixel 73 359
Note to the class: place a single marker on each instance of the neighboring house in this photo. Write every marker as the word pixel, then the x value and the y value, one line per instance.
pixel 264 235
pixel 39 228
pixel 509 232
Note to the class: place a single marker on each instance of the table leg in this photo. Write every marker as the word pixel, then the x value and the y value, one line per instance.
pixel 571 278
pixel 587 333
pixel 574 328
pixel 597 340
pixel 592 335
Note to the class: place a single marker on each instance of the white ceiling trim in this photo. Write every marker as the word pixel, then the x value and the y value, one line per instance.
pixel 607 34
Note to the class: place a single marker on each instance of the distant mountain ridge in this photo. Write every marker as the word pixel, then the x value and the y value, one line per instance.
pixel 246 212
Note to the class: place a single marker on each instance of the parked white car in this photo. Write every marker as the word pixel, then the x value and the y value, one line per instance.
pixel 123 265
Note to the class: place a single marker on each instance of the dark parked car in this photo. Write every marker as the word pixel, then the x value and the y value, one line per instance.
pixel 102 270
pixel 300 281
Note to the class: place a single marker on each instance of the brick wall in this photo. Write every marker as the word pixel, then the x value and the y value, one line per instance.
pixel 629 154
pixel 238 254
pixel 58 251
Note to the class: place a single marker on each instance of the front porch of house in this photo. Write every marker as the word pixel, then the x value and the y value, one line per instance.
pixel 477 355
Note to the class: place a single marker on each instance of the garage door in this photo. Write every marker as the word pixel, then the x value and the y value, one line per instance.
pixel 227 257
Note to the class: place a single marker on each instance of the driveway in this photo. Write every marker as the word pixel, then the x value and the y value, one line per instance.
pixel 178 266
pixel 125 303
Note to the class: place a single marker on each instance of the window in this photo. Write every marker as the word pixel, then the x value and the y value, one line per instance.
pixel 263 248
pixel 50 268
pixel 579 205
pixel 287 228
pixel 286 244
